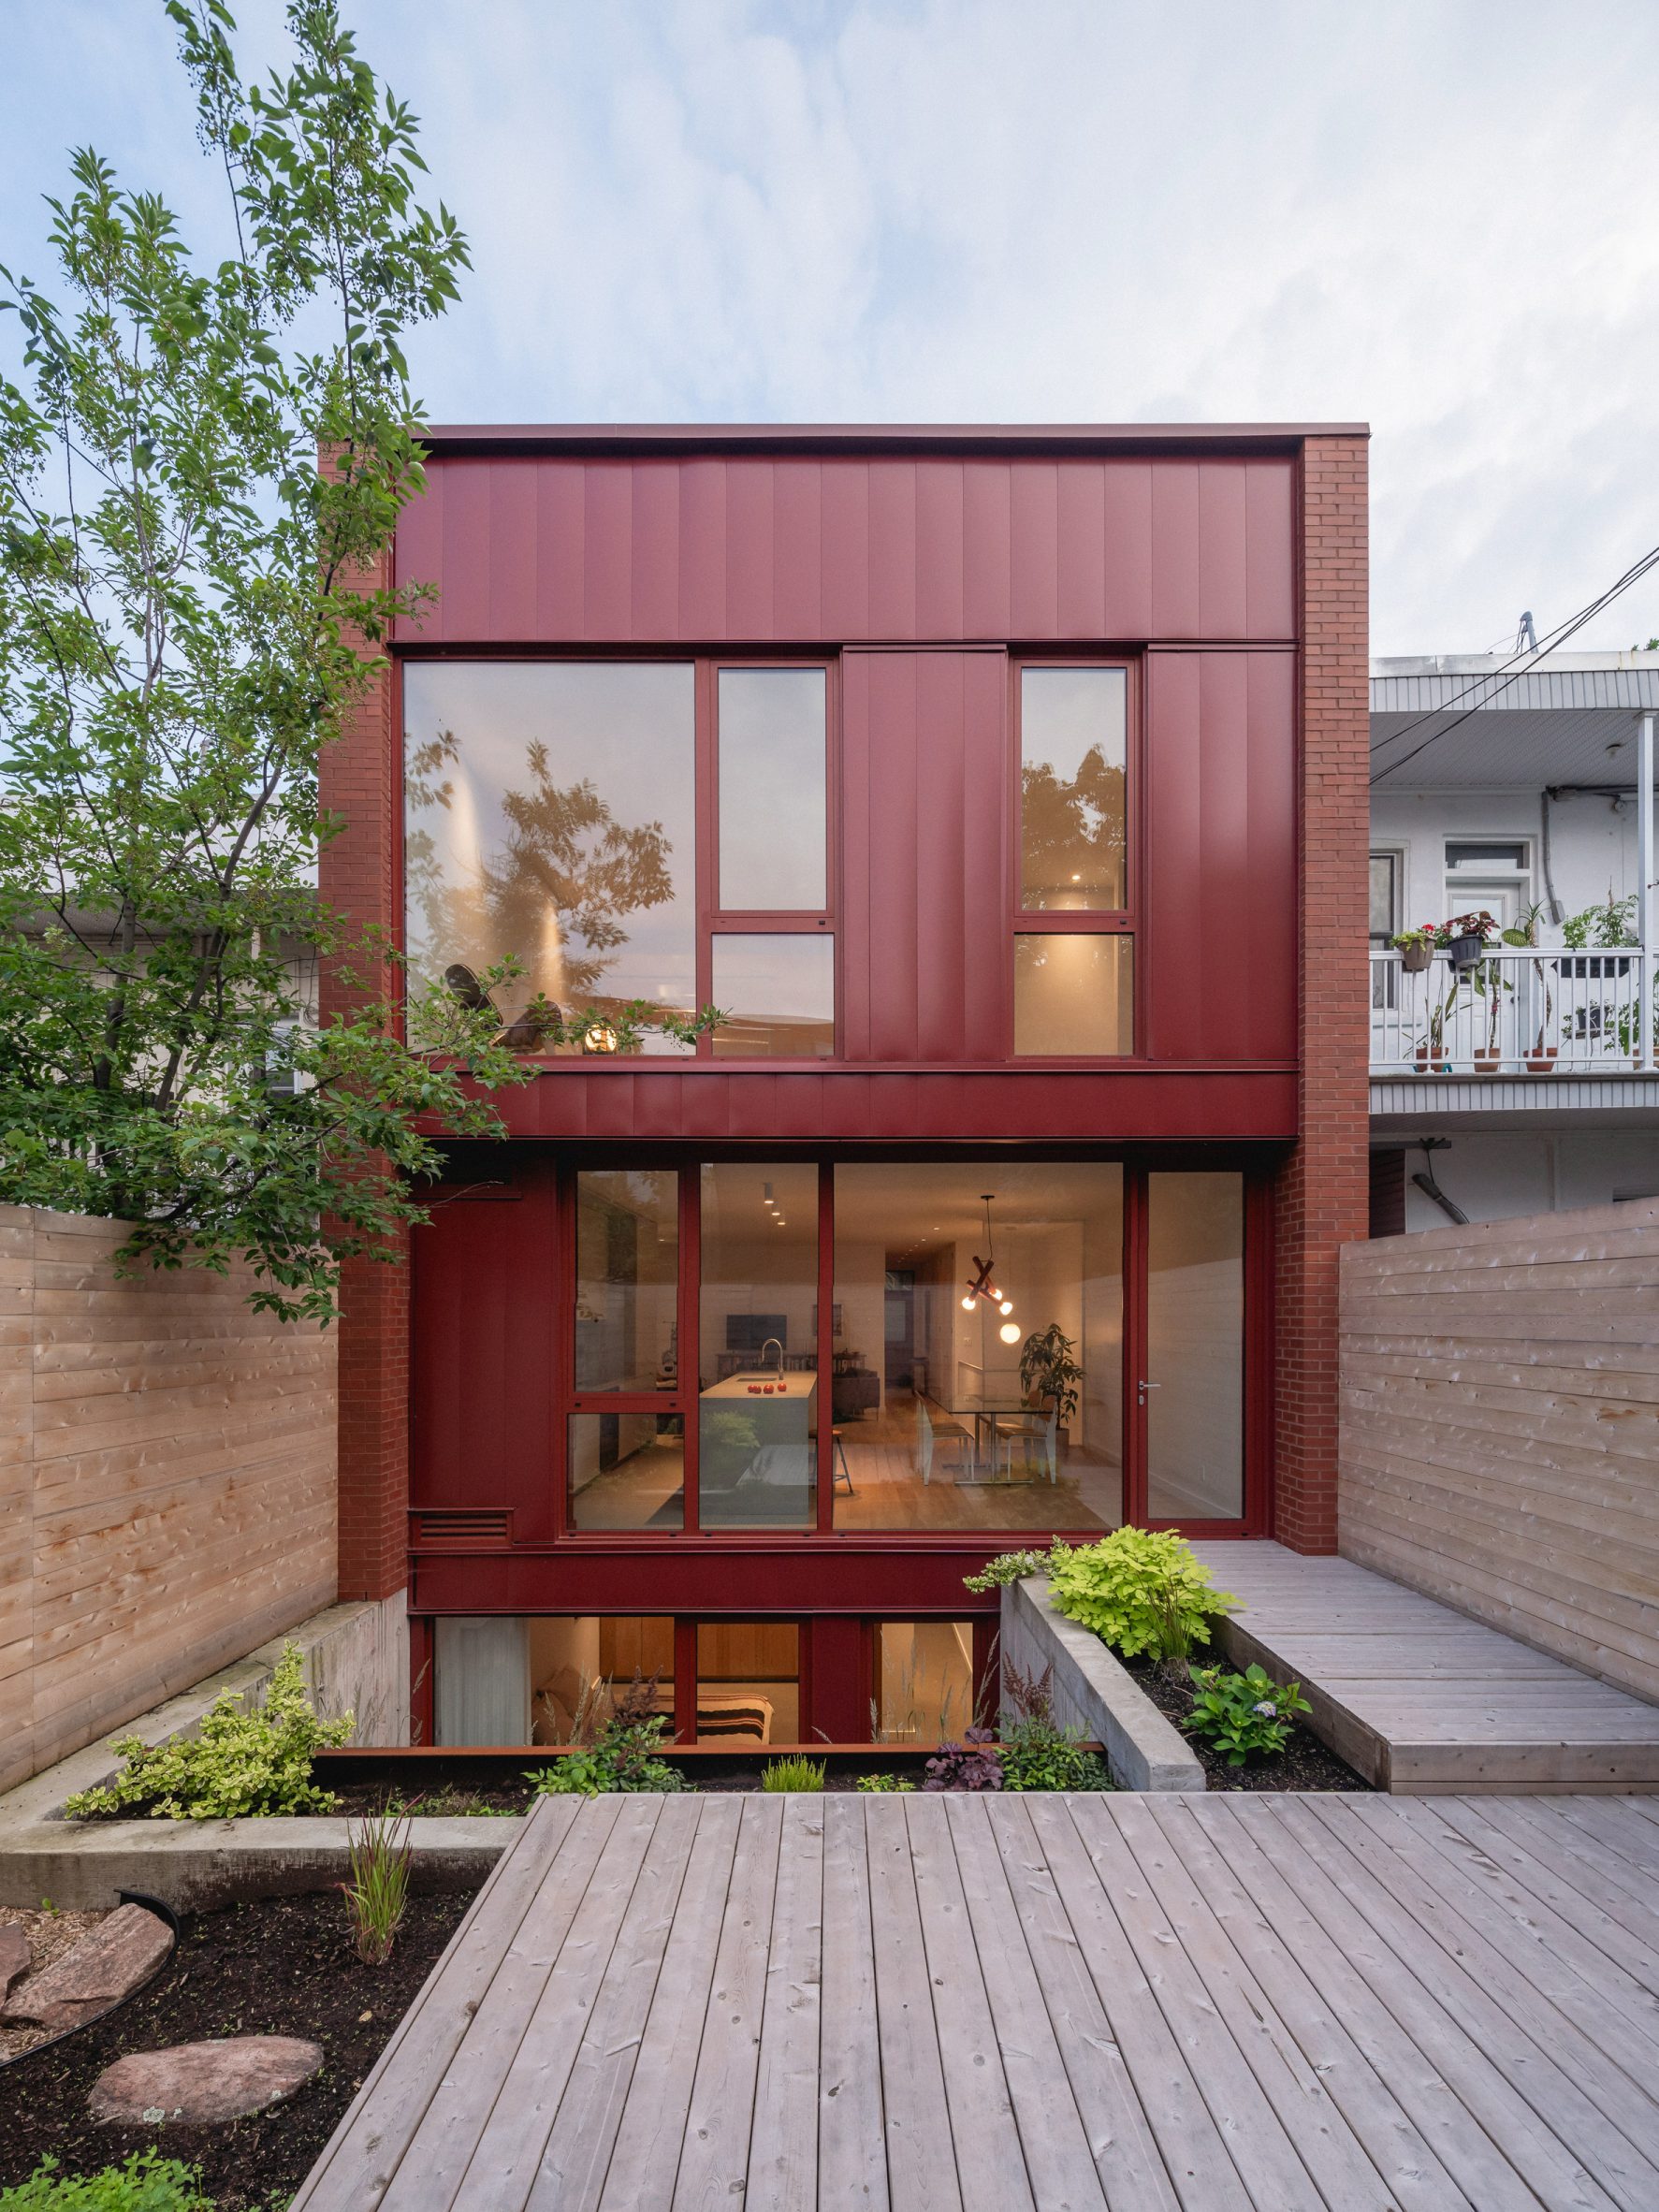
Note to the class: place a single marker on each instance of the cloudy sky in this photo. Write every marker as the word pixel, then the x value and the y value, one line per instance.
pixel 1440 216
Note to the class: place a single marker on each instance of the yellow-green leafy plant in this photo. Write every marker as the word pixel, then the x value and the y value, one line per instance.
pixel 240 1763
pixel 794 1773
pixel 143 2182
pixel 884 1785
pixel 1140 1589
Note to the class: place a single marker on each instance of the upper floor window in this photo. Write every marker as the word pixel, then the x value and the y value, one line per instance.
pixel 625 833
pixel 1073 975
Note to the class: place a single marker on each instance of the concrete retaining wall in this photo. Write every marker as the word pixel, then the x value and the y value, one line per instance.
pixel 1092 1692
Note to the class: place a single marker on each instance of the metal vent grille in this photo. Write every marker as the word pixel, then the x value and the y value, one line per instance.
pixel 470 1529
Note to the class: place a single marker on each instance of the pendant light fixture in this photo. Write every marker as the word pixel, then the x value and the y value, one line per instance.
pixel 983 1285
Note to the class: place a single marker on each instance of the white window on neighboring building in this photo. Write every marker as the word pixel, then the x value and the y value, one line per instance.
pixel 1386 871
pixel 1493 875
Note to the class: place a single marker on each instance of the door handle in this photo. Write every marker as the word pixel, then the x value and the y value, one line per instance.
pixel 1143 1387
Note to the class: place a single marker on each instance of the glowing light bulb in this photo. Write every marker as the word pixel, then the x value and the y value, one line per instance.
pixel 967 1305
pixel 1006 1306
pixel 1010 1333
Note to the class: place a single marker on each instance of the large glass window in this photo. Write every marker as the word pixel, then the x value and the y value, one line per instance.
pixel 1194 1383
pixel 780 994
pixel 625 1470
pixel 550 816
pixel 547 1679
pixel 627 1278
pixel 772 796
pixel 757 1406
pixel 749 1683
pixel 922 1682
pixel 1074 994
pixel 977 1375
pixel 1073 769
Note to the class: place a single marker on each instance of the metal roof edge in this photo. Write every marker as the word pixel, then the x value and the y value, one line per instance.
pixel 443 438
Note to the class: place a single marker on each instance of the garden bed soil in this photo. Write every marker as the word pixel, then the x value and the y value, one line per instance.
pixel 1305 1763
pixel 284 1966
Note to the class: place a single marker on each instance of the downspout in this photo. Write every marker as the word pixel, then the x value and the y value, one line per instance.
pixel 1431 1189
pixel 1554 913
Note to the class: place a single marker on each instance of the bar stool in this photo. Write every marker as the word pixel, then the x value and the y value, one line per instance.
pixel 841 1473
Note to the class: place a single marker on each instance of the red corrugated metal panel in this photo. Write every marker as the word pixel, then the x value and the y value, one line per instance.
pixel 481 1370
pixel 800 550
pixel 1219 963
pixel 972 1105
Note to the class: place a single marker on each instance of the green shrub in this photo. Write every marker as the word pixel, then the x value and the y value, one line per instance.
pixel 377 1895
pixel 1241 1714
pixel 1037 1754
pixel 792 1774
pixel 627 1755
pixel 240 1763
pixel 881 1785
pixel 1008 1567
pixel 1140 1589
pixel 145 2182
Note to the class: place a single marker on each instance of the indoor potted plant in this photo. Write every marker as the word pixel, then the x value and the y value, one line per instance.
pixel 1049 1375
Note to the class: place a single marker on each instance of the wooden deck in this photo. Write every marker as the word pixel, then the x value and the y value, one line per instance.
pixel 1024 2004
pixel 1417 1698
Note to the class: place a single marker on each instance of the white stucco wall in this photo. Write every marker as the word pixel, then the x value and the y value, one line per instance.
pixel 1591 843
pixel 1500 1177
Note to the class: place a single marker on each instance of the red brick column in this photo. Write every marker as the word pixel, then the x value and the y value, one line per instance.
pixel 360 879
pixel 1321 1200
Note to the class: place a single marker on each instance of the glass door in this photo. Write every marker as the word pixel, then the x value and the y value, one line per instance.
pixel 1188 1353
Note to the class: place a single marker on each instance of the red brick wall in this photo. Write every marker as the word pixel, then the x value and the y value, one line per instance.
pixel 359 879
pixel 1322 1194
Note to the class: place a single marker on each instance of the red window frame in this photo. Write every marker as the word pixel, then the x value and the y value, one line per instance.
pixel 1122 920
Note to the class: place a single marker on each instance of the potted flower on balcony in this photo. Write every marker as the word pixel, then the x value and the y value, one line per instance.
pixel 1416 948
pixel 1465 937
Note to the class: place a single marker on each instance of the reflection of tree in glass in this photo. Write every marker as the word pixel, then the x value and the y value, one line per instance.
pixel 565 850
pixel 1073 833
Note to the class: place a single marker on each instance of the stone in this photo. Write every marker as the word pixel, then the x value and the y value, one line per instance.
pixel 99 1972
pixel 14 1955
pixel 201 2084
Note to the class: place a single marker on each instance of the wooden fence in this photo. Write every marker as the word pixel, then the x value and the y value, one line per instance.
pixel 167 1483
pixel 1500 1427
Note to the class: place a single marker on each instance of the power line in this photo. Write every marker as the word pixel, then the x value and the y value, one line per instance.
pixel 1556 638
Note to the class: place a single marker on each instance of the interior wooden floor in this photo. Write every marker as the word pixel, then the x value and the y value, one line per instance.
pixel 1091 2003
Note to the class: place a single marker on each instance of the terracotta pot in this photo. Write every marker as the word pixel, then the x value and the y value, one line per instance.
pixel 1488 1063
pixel 1542 1063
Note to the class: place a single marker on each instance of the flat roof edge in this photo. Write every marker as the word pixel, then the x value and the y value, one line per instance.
pixel 461 438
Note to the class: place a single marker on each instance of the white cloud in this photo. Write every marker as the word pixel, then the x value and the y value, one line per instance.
pixel 1435 215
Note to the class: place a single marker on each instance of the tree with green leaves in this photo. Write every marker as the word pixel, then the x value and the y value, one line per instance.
pixel 189 614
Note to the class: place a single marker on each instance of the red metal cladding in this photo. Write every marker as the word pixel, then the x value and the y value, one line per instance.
pixel 794 550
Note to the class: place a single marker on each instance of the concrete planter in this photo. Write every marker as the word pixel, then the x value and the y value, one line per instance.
pixel 1094 1692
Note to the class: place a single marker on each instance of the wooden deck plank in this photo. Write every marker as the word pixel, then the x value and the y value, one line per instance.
pixel 577 2153
pixel 714 2158
pixel 1124 2151
pixel 1527 2057
pixel 1195 2144
pixel 1271 2166
pixel 851 2126
pixel 1313 2120
pixel 499 2173
pixel 1417 1997
pixel 358 2162
pixel 645 2159
pixel 1056 2144
pixel 783 2147
pixel 444 2143
pixel 1102 2003
pixel 1422 2140
pixel 921 2153
pixel 1420 1698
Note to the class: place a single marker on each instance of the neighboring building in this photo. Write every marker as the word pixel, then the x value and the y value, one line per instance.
pixel 1007 789
pixel 1513 789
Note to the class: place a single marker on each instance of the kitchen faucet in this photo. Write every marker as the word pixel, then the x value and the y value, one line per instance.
pixel 770 1340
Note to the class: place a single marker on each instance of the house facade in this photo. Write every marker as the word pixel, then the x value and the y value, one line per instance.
pixel 1526 1080
pixel 1004 791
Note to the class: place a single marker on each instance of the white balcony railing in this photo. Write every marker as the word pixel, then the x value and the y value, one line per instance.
pixel 1517 1012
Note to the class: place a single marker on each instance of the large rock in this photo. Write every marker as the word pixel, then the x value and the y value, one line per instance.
pixel 96 1973
pixel 195 2084
pixel 14 1955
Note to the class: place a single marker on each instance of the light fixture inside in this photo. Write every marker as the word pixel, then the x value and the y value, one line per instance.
pixel 1010 1333
pixel 1006 1306
pixel 599 1037
pixel 967 1305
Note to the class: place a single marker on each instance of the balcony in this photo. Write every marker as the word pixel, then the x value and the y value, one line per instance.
pixel 1524 1030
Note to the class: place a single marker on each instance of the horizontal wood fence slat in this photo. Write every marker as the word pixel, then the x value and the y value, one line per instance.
pixel 1500 1427
pixel 168 1497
